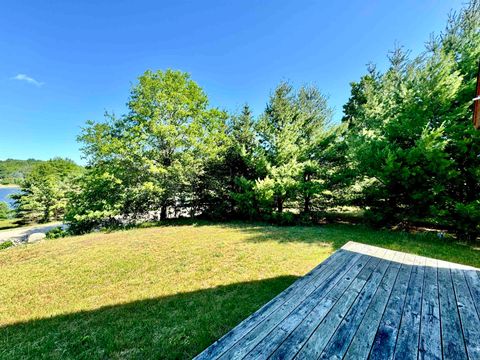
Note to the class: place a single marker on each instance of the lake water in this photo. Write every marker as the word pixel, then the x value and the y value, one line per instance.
pixel 5 191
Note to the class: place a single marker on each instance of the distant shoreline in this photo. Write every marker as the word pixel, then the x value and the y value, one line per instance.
pixel 9 186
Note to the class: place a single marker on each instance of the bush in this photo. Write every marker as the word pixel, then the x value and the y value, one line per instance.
pixel 56 233
pixel 284 218
pixel 6 244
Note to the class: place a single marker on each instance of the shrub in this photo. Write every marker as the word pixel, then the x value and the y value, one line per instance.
pixel 57 232
pixel 284 219
pixel 6 244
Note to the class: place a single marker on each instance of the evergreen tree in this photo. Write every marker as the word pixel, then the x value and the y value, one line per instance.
pixel 290 131
pixel 44 192
pixel 4 210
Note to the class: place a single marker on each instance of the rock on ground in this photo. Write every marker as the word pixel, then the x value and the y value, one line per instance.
pixel 36 237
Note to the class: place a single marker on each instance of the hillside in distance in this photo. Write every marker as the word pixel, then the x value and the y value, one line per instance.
pixel 13 171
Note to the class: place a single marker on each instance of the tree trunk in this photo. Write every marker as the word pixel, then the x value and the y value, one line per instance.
pixel 306 204
pixel 163 212
pixel 279 204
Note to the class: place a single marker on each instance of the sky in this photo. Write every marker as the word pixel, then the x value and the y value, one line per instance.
pixel 65 62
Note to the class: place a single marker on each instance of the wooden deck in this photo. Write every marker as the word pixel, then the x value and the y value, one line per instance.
pixel 365 302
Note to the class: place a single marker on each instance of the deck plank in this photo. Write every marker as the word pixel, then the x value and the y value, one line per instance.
pixel 319 339
pixel 409 332
pixel 363 340
pixel 452 336
pixel 365 302
pixel 473 281
pixel 386 336
pixel 468 314
pixel 340 341
pixel 296 338
pixel 230 339
pixel 430 345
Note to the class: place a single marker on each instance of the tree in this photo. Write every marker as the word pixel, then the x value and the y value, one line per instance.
pixel 398 144
pixel 313 140
pixel 411 142
pixel 14 171
pixel 242 165
pixel 290 130
pixel 43 195
pixel 278 131
pixel 156 154
pixel 4 210
pixel 460 42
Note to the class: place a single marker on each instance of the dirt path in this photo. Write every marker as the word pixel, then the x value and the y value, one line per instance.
pixel 21 234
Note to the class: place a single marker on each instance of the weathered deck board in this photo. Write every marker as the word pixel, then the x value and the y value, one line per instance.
pixel 468 314
pixel 409 333
pixel 363 340
pixel 340 341
pixel 229 339
pixel 364 302
pixel 452 335
pixel 386 336
pixel 250 340
pixel 300 335
pixel 430 346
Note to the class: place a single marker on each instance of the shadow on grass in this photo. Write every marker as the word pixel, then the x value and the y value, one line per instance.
pixel 173 327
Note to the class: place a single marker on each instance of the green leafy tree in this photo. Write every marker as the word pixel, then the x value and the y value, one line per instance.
pixel 314 137
pixel 155 155
pixel 278 131
pixel 460 42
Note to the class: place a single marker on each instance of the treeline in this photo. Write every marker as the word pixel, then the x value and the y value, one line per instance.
pixel 405 152
pixel 173 155
pixel 14 171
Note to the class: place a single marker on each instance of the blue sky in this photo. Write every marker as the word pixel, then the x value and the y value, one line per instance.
pixel 64 62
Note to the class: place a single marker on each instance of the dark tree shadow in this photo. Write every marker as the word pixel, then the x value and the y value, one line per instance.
pixel 173 327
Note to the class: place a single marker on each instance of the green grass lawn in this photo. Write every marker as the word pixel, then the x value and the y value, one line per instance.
pixel 9 224
pixel 164 292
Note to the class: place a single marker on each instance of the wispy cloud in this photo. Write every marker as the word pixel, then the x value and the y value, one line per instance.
pixel 28 79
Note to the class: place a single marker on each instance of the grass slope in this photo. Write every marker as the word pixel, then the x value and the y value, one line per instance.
pixel 164 292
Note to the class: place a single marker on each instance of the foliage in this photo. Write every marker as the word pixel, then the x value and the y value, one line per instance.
pixel 43 195
pixel 6 244
pixel 5 212
pixel 152 159
pixel 10 223
pixel 57 232
pixel 405 152
pixel 14 171
pixel 411 141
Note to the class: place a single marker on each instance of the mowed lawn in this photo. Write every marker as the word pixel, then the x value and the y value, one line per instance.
pixel 164 292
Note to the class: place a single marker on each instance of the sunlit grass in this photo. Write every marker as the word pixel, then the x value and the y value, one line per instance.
pixel 8 224
pixel 164 292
